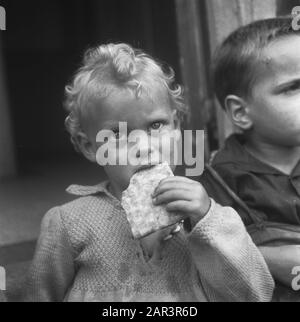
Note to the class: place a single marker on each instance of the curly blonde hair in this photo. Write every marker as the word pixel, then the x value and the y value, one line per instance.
pixel 111 67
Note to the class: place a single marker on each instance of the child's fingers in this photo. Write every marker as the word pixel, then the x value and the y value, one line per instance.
pixel 171 195
pixel 169 186
pixel 174 231
pixel 175 181
pixel 168 237
pixel 180 206
pixel 195 189
pixel 178 179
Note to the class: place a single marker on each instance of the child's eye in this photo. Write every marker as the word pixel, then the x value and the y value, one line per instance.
pixel 117 134
pixel 292 88
pixel 156 125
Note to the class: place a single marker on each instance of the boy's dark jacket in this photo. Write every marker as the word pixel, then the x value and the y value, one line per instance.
pixel 233 165
pixel 236 179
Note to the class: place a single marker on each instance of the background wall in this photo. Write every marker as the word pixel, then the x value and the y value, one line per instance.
pixel 43 45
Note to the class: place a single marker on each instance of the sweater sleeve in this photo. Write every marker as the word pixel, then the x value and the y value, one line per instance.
pixel 52 269
pixel 230 266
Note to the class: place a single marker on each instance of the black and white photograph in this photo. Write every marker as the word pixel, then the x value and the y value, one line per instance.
pixel 149 153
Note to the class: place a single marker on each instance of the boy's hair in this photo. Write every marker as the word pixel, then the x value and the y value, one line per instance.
pixel 112 67
pixel 235 61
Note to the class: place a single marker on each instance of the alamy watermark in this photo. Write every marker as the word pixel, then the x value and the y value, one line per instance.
pixel 2 18
pixel 296 279
pixel 2 279
pixel 139 148
pixel 296 18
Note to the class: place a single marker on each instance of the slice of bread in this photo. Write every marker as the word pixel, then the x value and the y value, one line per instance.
pixel 144 217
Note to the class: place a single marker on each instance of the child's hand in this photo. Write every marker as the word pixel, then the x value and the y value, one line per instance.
pixel 183 195
pixel 151 244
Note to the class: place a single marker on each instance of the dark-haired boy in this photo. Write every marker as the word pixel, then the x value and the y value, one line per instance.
pixel 257 81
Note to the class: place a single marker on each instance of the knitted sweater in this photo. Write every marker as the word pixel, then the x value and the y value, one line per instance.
pixel 86 252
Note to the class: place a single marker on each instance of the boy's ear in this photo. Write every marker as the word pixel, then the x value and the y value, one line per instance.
pixel 237 110
pixel 86 147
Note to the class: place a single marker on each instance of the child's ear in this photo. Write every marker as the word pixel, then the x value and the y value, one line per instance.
pixel 86 147
pixel 237 110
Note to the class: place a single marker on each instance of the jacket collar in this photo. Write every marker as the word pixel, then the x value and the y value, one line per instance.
pixel 101 188
pixel 235 153
pixel 80 190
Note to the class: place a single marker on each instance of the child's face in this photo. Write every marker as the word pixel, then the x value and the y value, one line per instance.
pixel 141 113
pixel 274 106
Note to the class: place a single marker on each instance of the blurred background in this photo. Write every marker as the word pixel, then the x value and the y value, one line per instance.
pixel 40 49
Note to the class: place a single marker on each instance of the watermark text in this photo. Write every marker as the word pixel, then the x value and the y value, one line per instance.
pixel 2 279
pixel 296 280
pixel 296 18
pixel 2 18
pixel 138 148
